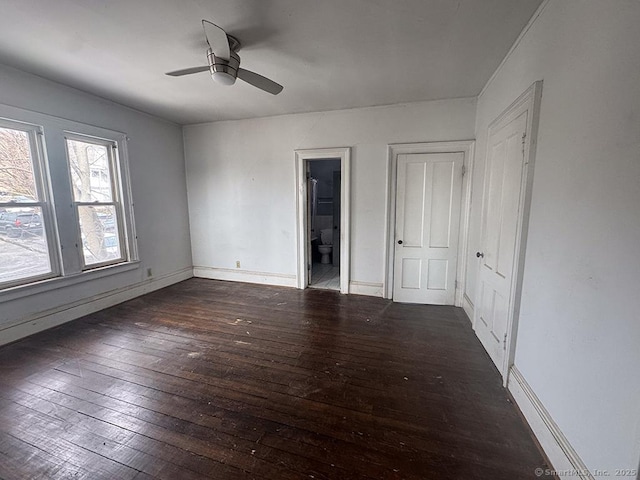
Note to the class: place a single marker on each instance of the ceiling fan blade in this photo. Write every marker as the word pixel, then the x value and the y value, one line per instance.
pixel 263 83
pixel 187 71
pixel 217 40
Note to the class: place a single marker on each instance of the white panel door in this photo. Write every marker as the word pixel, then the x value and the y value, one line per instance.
pixel 428 201
pixel 500 213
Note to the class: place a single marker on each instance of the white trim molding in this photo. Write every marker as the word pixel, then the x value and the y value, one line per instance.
pixel 66 313
pixel 466 147
pixel 366 288
pixel 248 276
pixel 517 42
pixel 555 445
pixel 467 306
pixel 302 158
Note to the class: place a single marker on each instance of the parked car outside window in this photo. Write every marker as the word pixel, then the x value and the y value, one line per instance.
pixel 20 224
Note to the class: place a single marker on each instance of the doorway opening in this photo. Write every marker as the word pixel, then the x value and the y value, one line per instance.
pixel 323 219
pixel 323 222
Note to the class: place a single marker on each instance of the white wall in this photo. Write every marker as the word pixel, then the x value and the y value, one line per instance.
pixel 242 187
pixel 578 343
pixel 156 161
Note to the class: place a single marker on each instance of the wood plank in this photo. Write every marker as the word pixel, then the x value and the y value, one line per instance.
pixel 209 379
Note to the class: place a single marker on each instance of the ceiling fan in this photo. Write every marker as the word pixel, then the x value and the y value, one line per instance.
pixel 224 62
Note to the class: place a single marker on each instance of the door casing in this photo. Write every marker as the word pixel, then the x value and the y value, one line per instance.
pixel 528 102
pixel 462 146
pixel 302 157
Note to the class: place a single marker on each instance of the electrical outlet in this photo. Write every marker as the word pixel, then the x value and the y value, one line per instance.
pixel 237 263
pixel 149 273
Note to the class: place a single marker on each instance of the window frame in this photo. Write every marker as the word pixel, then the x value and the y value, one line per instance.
pixel 43 202
pixel 116 198
pixel 59 216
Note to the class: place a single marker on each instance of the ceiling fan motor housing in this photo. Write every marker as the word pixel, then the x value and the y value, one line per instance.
pixel 223 71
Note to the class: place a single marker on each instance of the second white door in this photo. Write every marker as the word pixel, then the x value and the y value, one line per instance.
pixel 428 203
pixel 498 257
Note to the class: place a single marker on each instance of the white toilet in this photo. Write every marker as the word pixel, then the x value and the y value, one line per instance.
pixel 326 237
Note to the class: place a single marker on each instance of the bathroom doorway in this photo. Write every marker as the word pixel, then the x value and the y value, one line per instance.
pixel 323 218
pixel 323 223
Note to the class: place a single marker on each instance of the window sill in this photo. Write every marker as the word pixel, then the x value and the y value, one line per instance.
pixel 50 284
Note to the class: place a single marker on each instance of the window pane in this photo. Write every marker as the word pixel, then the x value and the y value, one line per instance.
pixel 23 245
pixel 100 240
pixel 17 182
pixel 89 171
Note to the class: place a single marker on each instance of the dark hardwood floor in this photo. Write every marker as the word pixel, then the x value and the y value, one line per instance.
pixel 209 379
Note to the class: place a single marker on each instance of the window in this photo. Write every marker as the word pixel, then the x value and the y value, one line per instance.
pixel 65 202
pixel 25 222
pixel 92 166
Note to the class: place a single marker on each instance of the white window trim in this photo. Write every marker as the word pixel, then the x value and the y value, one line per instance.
pixel 116 198
pixel 50 284
pixel 66 267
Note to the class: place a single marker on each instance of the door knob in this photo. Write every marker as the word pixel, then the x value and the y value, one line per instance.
pixel 479 255
pixel 399 242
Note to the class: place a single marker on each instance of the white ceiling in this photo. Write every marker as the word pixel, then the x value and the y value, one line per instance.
pixel 328 54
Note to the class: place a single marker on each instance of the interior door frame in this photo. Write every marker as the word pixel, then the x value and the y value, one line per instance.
pixel 529 103
pixel 465 147
pixel 302 158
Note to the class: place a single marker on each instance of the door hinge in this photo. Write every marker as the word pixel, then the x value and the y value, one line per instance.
pixel 464 170
pixel 308 266
pixel 504 342
pixel 524 136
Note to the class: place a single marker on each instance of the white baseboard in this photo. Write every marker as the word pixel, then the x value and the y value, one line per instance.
pixel 467 306
pixel 555 445
pixel 366 288
pixel 65 313
pixel 264 278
